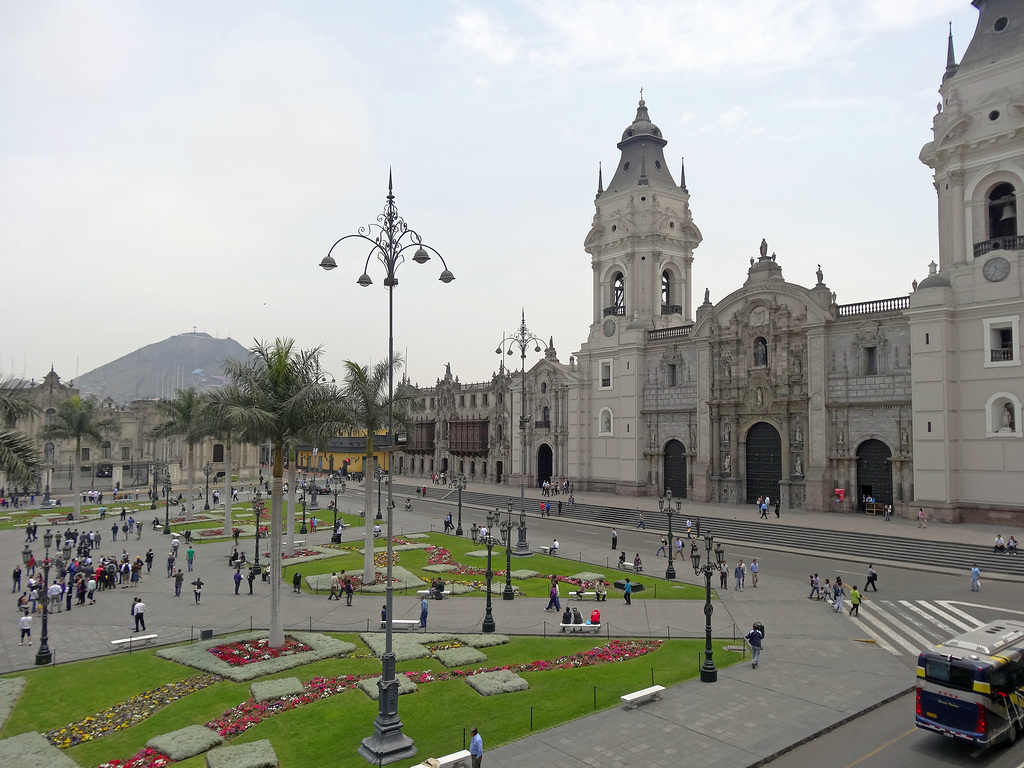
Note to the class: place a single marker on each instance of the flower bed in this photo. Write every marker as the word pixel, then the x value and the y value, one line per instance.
pixel 302 553
pixel 256 650
pixel 212 532
pixel 127 713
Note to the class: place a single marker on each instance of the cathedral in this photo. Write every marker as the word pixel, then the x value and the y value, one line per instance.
pixel 778 389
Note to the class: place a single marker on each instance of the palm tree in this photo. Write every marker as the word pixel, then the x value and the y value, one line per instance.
pixel 365 409
pixel 184 420
pixel 19 455
pixel 277 395
pixel 80 419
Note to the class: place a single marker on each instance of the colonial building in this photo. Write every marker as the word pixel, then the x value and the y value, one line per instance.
pixel 777 388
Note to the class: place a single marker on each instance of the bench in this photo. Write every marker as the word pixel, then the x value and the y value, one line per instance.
pixel 634 699
pixel 581 627
pixel 460 759
pixel 583 595
pixel 130 641
pixel 300 542
pixel 427 592
pixel 401 623
pixel 548 551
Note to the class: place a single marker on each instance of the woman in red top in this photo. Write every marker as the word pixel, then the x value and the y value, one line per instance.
pixel 595 617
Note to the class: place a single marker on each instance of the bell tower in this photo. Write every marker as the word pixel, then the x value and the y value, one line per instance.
pixel 642 238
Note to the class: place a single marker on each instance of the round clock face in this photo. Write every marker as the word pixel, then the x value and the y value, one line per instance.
pixel 996 269
pixel 609 327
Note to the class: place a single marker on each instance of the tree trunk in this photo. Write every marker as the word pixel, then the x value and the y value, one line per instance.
pixel 289 542
pixel 276 627
pixel 189 501
pixel 77 479
pixel 227 486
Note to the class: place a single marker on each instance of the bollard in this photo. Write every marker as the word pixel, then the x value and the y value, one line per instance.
pixel 595 697
pixel 310 623
pixel 652 675
pixel 250 623
pixel 531 718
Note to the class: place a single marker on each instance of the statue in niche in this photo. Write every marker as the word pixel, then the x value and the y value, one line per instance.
pixel 726 463
pixel 798 465
pixel 905 436
pixel 760 353
pixel 1008 421
pixel 759 394
pixel 841 437
pixel 726 433
pixel 693 438
pixel 727 369
pixel 606 423
pixel 798 434
pixel 797 365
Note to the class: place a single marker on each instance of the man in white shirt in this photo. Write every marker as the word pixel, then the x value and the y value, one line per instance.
pixel 139 611
pixel 25 623
pixel 554 547
pixel 54 592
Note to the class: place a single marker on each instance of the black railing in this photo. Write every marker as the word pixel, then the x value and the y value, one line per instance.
pixel 1002 355
pixel 680 332
pixel 620 311
pixel 1011 243
pixel 897 304
pixel 671 309
pixel 545 424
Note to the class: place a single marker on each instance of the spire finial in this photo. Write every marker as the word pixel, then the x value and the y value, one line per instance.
pixel 682 174
pixel 600 180
pixel 642 88
pixel 951 65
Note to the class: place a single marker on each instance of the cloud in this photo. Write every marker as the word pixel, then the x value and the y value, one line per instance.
pixel 477 33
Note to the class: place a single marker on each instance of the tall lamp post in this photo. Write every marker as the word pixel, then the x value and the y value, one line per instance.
pixel 390 241
pixel 167 503
pixel 522 338
pixel 708 671
pixel 460 483
pixel 665 505
pixel 335 536
pixel 303 530
pixel 207 470
pixel 152 503
pixel 257 508
pixel 489 625
pixel 379 478
pixel 43 655
pixel 506 536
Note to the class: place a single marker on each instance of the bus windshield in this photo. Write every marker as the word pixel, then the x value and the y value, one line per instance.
pixel 949 673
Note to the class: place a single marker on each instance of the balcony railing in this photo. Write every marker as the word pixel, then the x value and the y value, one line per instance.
pixel 1002 355
pixel 681 332
pixel 671 309
pixel 620 311
pixel 897 304
pixel 543 424
pixel 1011 243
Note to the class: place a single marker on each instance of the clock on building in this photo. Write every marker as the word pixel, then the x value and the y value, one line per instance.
pixel 996 269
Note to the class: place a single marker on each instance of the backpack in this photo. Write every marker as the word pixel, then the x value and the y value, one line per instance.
pixel 760 628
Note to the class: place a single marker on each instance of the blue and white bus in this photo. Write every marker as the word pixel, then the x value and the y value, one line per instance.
pixel 972 687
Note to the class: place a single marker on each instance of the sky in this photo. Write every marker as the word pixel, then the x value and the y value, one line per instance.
pixel 166 166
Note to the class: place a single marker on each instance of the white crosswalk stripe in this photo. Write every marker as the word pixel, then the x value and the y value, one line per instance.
pixel 905 627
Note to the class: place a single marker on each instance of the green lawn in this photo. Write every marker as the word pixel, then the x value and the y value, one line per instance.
pixel 437 716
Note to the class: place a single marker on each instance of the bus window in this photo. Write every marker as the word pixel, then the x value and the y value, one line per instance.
pixel 950 675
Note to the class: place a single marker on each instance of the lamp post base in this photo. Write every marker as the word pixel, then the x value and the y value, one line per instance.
pixel 489 625
pixel 387 745
pixel 670 572
pixel 458 530
pixel 709 674
pixel 43 657
pixel 167 530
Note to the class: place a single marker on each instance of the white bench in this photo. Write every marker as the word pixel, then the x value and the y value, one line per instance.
pixel 595 628
pixel 133 640
pixel 401 623
pixel 583 595
pixel 299 542
pixel 459 759
pixel 634 699
pixel 427 592
pixel 547 551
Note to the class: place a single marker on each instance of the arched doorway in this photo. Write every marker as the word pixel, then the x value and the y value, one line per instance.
pixel 874 472
pixel 764 461
pixel 675 468
pixel 545 462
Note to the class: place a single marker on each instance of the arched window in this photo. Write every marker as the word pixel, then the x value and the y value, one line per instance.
pixel 106 449
pixel 50 413
pixel 619 293
pixel 501 432
pixel 1002 211
pixel 546 414
pixel 48 451
pixel 760 352
pixel 605 422
pixel 666 288
pixel 218 453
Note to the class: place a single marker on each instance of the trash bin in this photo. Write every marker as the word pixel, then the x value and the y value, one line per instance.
pixel 206 634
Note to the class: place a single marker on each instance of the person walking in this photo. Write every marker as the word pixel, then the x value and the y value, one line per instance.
pixel 854 601
pixel 689 528
pixel 554 602
pixel 179 578
pixel 149 560
pixel 838 593
pixel 349 591
pixel 25 624
pixel 778 503
pixel 740 575
pixel 297 583
pixel 17 576
pixel 754 638
pixel 661 548
pixel 723 575
pixel 975 578
pixel 424 606
pixel 197 588
pixel 251 578
pixel 238 579
pixel 921 521
pixel 627 592
pixel 170 564
pixel 335 587
pixel 872 579
pixel 815 588
pixel 753 572
pixel 139 612
pixel 476 748
pixel 641 523
pixel 615 545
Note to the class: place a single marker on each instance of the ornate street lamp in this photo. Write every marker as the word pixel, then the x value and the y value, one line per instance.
pixel 522 338
pixel 335 536
pixel 257 508
pixel 390 241
pixel 379 478
pixel 460 483
pixel 708 671
pixel 303 530
pixel 506 536
pixel 665 505
pixel 207 470
pixel 152 502
pixel 43 655
pixel 489 625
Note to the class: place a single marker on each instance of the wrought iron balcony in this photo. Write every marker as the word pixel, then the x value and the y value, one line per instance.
pixel 1002 355
pixel 1011 243
pixel 620 311
pixel 546 424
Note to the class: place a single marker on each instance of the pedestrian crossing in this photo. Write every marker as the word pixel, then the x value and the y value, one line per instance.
pixel 907 627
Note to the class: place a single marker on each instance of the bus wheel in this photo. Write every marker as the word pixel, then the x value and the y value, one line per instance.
pixel 1014 732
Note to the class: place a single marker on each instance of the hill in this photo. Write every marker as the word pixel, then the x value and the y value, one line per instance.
pixel 158 370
